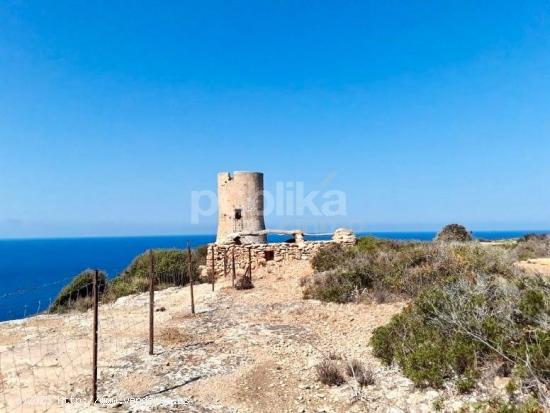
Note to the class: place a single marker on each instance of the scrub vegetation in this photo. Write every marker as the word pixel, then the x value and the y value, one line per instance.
pixel 473 314
pixel 170 266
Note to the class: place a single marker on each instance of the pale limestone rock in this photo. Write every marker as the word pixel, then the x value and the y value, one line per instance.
pixel 344 235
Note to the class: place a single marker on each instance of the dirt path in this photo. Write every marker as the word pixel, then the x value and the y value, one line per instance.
pixel 536 265
pixel 245 351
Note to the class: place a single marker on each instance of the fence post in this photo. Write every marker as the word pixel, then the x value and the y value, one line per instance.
pixel 95 295
pixel 190 271
pixel 233 267
pixel 151 299
pixel 213 268
pixel 250 261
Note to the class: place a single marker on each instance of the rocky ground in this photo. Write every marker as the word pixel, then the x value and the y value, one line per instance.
pixel 244 351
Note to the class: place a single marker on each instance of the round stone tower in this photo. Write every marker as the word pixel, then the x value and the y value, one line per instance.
pixel 241 205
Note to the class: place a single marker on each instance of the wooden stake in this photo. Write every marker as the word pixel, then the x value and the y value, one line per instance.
pixel 151 300
pixel 233 267
pixel 95 294
pixel 189 269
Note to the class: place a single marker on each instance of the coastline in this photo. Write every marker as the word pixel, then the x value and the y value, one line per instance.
pixel 34 270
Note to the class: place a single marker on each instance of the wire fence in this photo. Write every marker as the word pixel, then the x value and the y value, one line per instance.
pixel 65 362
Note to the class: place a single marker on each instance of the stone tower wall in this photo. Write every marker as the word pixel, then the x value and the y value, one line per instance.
pixel 241 205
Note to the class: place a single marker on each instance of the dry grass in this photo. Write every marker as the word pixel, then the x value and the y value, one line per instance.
pixel 328 372
pixel 243 283
pixel 83 304
pixel 359 372
pixel 334 356
pixel 173 337
pixel 138 383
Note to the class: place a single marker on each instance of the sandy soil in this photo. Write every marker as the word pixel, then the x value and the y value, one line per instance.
pixel 244 351
pixel 536 265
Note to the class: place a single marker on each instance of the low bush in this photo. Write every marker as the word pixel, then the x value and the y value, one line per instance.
pixel 402 270
pixel 328 372
pixel 171 266
pixel 77 294
pixel 171 269
pixel 122 286
pixel 335 286
pixel 505 406
pixel 451 333
pixel 373 244
pixel 356 369
pixel 472 312
pixel 533 237
pixel 532 246
pixel 243 283
pixel 454 232
pixel 331 256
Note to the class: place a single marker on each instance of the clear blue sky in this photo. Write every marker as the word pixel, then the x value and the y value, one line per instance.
pixel 423 112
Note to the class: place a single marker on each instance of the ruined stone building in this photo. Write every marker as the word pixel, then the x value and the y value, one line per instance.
pixel 242 235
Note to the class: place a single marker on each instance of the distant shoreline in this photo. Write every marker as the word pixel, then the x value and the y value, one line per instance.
pixel 390 234
pixel 30 262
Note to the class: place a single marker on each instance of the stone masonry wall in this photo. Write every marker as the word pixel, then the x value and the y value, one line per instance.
pixel 273 256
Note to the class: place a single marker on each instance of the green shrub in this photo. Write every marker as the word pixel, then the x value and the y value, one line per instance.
pixel 122 286
pixel 533 303
pixel 453 331
pixel 472 309
pixel 507 406
pixel 404 269
pixel 331 286
pixel 76 294
pixel 330 256
pixel 170 266
pixel 467 383
pixel 171 269
pixel 373 244
pixel 532 246
pixel 454 232
pixel 438 404
pixel 533 237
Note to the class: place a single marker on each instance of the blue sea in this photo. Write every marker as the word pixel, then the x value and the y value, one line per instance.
pixel 32 271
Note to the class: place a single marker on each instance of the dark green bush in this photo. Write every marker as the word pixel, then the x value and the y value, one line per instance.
pixel 373 244
pixel 334 286
pixel 76 294
pixel 467 382
pixel 453 331
pixel 506 406
pixel 170 266
pixel 533 303
pixel 404 269
pixel 472 308
pixel 331 256
pixel 454 232
pixel 171 269
pixel 532 246
pixel 533 237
